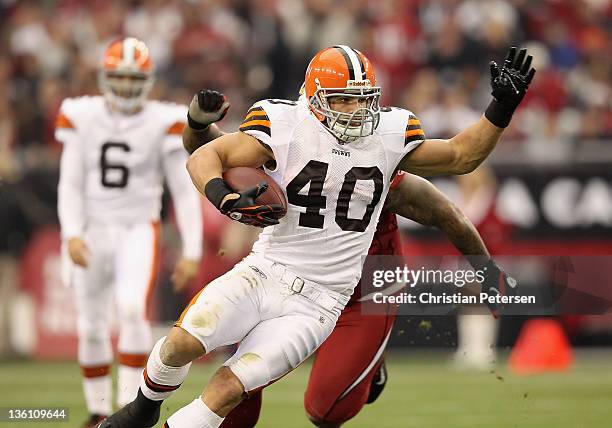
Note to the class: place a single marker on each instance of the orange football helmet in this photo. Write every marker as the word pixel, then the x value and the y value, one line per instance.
pixel 126 74
pixel 343 71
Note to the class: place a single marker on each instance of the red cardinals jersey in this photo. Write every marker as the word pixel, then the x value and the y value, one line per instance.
pixel 387 240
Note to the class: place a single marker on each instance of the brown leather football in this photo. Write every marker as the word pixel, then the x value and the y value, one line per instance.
pixel 244 177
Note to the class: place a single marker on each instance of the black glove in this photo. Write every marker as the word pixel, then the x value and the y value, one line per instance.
pixel 242 206
pixel 497 283
pixel 206 107
pixel 509 86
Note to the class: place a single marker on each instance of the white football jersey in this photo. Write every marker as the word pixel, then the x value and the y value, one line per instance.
pixel 335 191
pixel 122 155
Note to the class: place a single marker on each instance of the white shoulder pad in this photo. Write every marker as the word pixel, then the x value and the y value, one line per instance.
pixel 401 133
pixel 76 109
pixel 400 128
pixel 173 119
pixel 169 113
pixel 271 122
pixel 265 119
pixel 73 115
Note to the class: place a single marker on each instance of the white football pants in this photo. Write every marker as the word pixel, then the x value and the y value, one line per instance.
pixel 278 318
pixel 122 271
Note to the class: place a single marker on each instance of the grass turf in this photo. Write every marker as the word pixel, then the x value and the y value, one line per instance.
pixel 423 391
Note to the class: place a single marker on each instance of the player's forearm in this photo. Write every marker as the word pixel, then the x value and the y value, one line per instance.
pixel 231 150
pixel 463 235
pixel 70 197
pixel 193 139
pixel 204 165
pixel 417 199
pixel 446 216
pixel 186 204
pixel 189 221
pixel 70 212
pixel 474 144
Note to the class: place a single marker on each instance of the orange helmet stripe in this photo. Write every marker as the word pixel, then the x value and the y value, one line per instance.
pixel 129 49
pixel 347 59
pixel 354 62
pixel 361 57
pixel 129 52
pixel 363 69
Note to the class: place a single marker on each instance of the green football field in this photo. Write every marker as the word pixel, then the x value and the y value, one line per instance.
pixel 423 391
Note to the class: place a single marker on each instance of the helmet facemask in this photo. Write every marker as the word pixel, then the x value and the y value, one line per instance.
pixel 348 127
pixel 125 90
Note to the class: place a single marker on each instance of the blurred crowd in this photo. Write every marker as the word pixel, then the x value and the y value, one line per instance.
pixel 431 57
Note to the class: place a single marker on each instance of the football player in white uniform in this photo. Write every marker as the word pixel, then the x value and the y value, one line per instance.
pixel 334 157
pixel 118 148
pixel 337 393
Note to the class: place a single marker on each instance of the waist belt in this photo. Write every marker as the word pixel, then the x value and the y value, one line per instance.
pixel 329 299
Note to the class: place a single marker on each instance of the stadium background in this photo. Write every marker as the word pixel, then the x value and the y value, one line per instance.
pixel 546 188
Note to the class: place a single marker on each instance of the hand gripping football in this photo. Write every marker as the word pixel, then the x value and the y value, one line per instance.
pixel 243 177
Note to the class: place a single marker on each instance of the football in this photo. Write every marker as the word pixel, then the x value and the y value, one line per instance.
pixel 242 178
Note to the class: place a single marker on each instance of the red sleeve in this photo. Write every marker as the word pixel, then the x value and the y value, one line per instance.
pixel 397 179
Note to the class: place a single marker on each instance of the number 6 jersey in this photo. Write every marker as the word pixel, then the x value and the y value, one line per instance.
pixel 113 167
pixel 335 191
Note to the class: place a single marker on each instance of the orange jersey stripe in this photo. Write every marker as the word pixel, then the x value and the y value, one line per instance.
pixel 414 122
pixel 154 267
pixel 265 123
pixel 256 113
pixel 95 371
pixel 133 360
pixel 63 122
pixel 414 132
pixel 176 128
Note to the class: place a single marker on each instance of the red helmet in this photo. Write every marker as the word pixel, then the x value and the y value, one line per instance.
pixel 342 70
pixel 126 74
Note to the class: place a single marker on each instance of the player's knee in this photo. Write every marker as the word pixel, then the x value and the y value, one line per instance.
pixel 130 311
pixel 223 392
pixel 318 403
pixel 132 318
pixel 321 422
pixel 180 348
pixel 92 331
pixel 135 337
pixel 327 411
pixel 316 411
